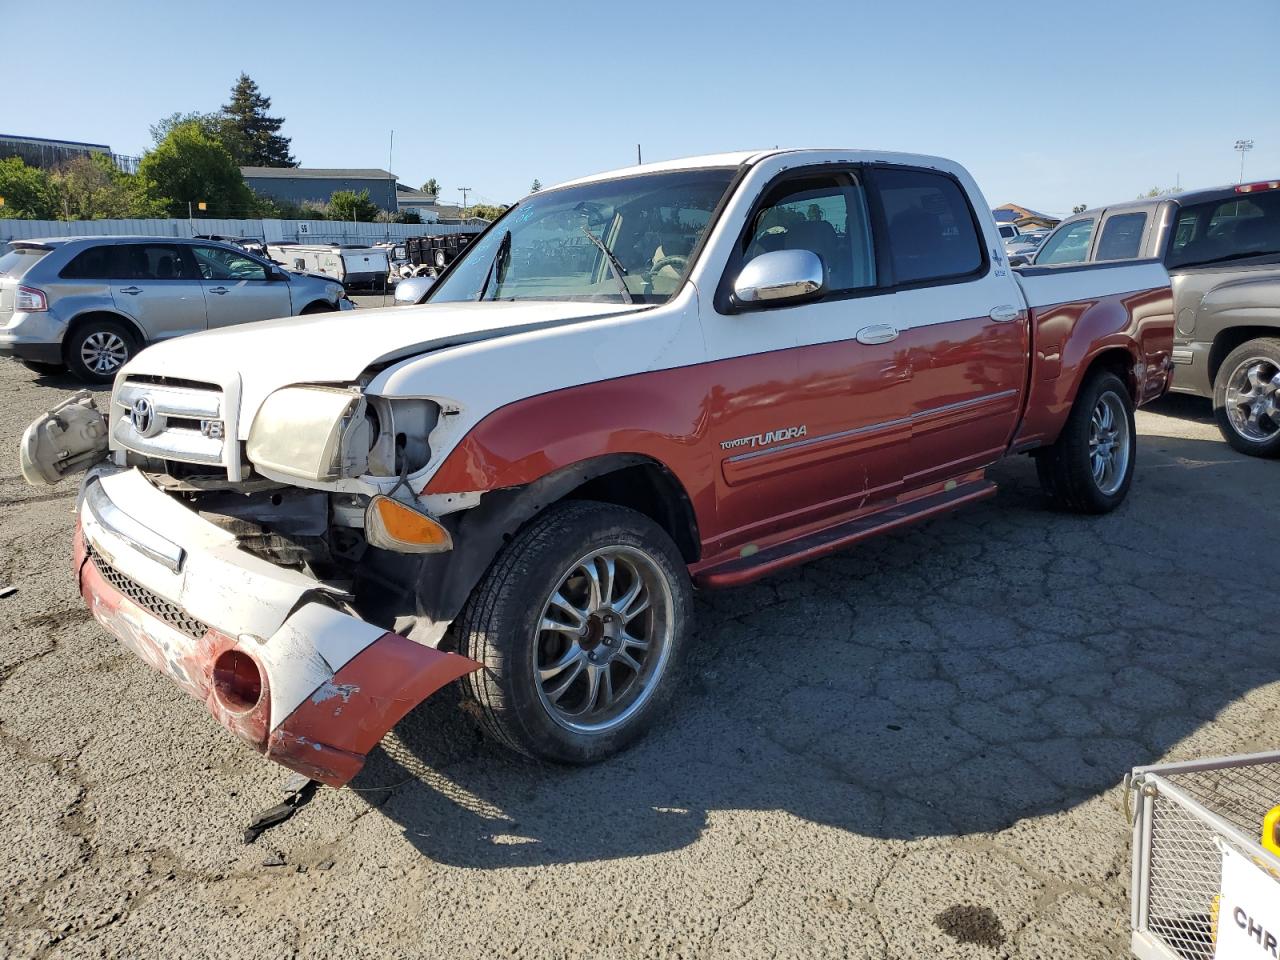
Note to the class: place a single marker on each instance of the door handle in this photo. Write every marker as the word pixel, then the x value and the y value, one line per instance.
pixel 132 291
pixel 219 290
pixel 877 333
pixel 1004 313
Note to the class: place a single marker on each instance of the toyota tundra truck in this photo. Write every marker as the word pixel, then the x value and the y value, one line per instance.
pixel 692 373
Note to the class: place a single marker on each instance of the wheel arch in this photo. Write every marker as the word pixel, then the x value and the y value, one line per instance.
pixel 80 320
pixel 1232 337
pixel 1118 360
pixel 444 581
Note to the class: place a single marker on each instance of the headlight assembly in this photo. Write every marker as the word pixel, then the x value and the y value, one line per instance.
pixel 311 433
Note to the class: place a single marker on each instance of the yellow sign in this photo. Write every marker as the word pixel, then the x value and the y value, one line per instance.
pixel 202 205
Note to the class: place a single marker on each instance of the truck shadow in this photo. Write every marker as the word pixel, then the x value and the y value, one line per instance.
pixel 1001 663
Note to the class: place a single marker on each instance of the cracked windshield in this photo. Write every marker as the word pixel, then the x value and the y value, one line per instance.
pixel 618 241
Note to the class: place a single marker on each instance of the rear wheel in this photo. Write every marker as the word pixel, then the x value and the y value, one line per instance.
pixel 1246 397
pixel 1090 467
pixel 580 623
pixel 97 349
pixel 319 306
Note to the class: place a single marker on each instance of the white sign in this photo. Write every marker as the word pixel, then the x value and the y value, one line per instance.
pixel 304 228
pixel 1248 911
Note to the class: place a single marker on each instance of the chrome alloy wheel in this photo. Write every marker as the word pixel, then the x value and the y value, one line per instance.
pixel 1253 399
pixel 604 637
pixel 104 352
pixel 1109 443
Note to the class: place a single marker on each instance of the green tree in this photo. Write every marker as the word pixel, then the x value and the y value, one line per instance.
pixel 249 133
pixel 432 187
pixel 1156 192
pixel 188 167
pixel 91 187
pixel 27 192
pixel 349 205
pixel 1080 208
pixel 535 186
pixel 210 123
pixel 485 211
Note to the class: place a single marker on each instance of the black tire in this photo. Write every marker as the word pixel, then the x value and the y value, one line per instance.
pixel 75 349
pixel 1065 469
pixel 499 627
pixel 320 306
pixel 1266 352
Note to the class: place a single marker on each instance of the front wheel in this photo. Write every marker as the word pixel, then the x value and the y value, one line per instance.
pixel 1090 467
pixel 1246 397
pixel 580 624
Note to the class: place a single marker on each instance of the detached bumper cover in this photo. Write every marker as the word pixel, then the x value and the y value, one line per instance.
pixel 332 684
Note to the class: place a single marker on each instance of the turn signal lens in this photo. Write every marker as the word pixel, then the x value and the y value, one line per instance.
pixel 393 526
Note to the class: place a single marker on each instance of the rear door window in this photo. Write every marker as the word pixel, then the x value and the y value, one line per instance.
pixel 1223 230
pixel 1068 245
pixel 1121 237
pixel 151 261
pixel 932 235
pixel 96 263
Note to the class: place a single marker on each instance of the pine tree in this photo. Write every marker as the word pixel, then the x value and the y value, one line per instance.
pixel 249 133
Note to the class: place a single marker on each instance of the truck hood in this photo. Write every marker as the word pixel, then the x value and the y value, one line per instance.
pixel 258 358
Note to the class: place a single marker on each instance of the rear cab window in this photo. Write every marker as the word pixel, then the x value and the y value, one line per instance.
pixel 1069 244
pixel 932 234
pixel 1222 230
pixel 1121 237
pixel 16 261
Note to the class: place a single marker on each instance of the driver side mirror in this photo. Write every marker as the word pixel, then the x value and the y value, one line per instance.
pixel 780 276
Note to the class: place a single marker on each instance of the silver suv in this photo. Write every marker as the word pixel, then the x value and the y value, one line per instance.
pixel 91 303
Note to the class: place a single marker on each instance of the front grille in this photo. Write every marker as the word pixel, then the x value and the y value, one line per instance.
pixel 185 421
pixel 154 604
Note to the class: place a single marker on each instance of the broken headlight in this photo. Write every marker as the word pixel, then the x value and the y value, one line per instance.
pixel 311 433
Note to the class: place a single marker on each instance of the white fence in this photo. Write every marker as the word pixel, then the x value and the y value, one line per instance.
pixel 272 231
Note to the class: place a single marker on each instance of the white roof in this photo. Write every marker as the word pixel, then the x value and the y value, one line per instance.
pixel 683 163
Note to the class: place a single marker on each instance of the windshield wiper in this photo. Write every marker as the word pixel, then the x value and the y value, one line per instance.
pixel 504 250
pixel 614 265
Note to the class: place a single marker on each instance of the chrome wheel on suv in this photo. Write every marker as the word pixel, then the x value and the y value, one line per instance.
pixel 603 639
pixel 1246 397
pixel 104 352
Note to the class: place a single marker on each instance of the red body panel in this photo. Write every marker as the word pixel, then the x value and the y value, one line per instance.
pixel 1069 336
pixel 328 736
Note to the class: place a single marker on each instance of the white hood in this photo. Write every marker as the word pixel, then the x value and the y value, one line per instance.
pixel 338 347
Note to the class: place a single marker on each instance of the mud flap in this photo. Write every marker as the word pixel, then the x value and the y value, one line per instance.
pixel 328 737
pixel 66 439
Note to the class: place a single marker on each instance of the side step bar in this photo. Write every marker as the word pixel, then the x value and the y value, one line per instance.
pixel 780 556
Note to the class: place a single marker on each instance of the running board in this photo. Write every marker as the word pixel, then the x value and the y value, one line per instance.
pixel 742 570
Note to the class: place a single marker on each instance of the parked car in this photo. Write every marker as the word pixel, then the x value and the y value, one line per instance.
pixel 1222 249
pixel 1023 245
pixel 692 372
pixel 252 244
pixel 90 304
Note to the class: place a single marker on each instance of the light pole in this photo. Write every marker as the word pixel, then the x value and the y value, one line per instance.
pixel 1243 147
pixel 464 191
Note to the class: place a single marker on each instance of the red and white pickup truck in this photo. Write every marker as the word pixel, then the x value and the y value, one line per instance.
pixel 686 373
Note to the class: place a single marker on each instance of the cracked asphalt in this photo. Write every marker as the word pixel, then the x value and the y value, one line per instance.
pixel 911 749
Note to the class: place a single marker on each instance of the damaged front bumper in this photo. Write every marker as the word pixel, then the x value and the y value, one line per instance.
pixel 269 650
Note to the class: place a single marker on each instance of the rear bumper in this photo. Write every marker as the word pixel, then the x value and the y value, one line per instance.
pixel 26 350
pixel 332 685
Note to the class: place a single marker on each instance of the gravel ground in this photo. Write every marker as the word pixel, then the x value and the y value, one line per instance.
pixel 910 749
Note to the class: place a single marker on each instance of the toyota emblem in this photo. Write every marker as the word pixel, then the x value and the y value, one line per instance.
pixel 143 417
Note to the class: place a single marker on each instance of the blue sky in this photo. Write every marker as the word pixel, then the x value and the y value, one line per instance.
pixel 1049 104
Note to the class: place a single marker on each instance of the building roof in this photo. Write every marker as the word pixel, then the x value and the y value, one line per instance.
pixel 315 173
pixel 415 197
pixel 56 143
pixel 1019 212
